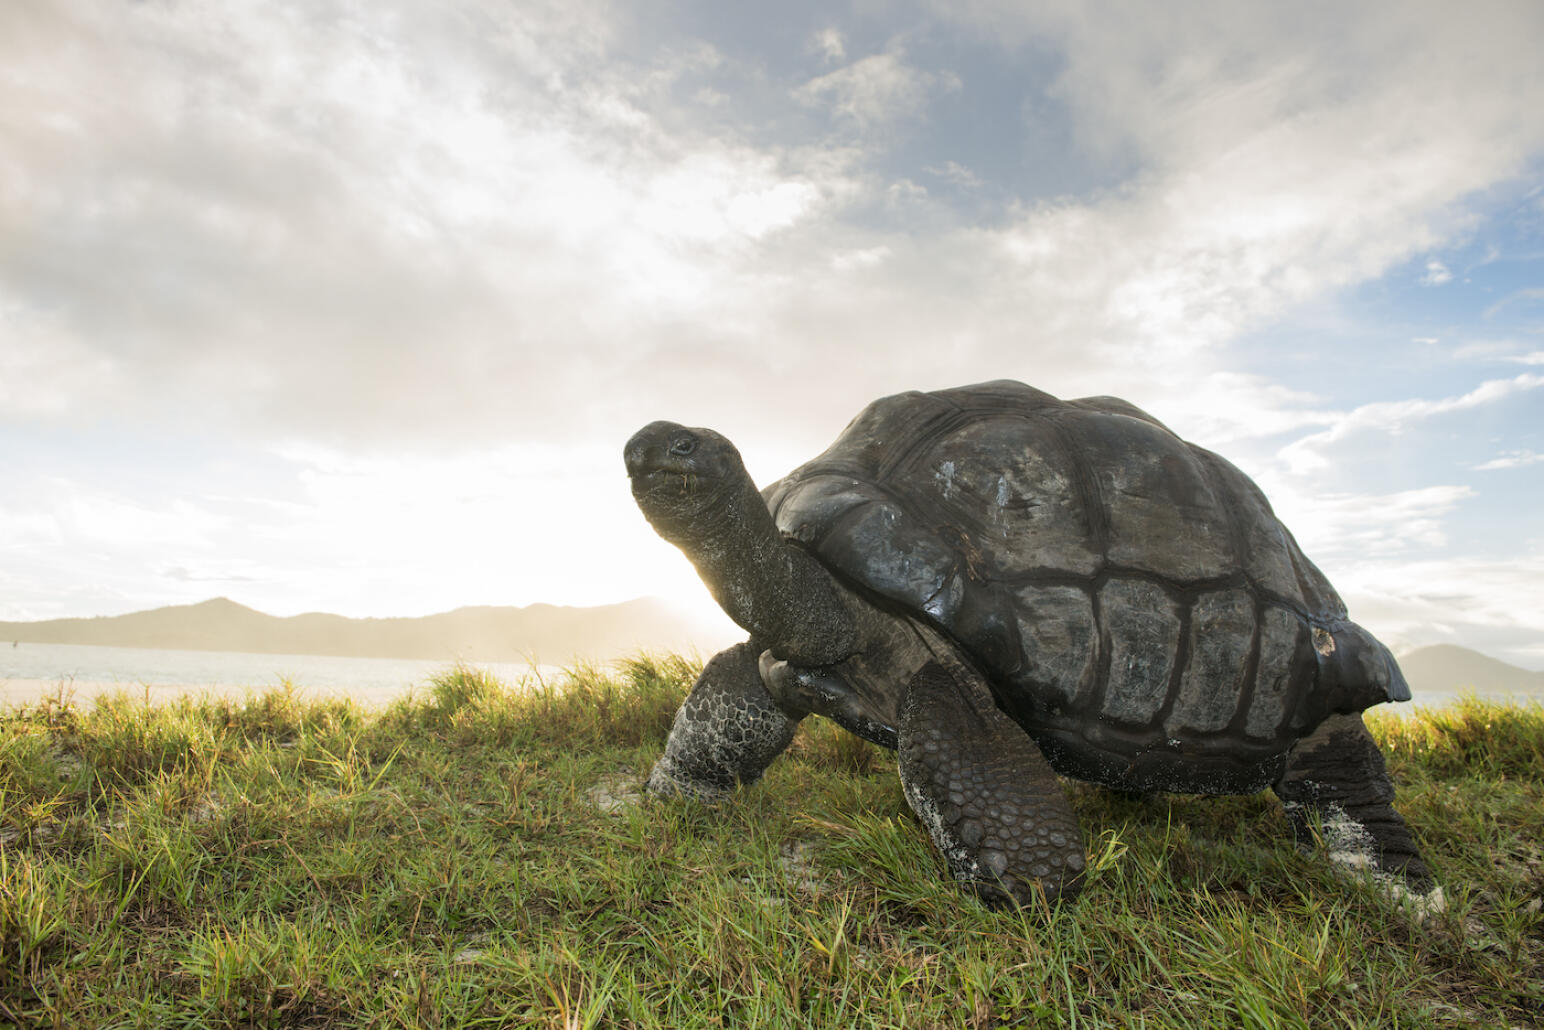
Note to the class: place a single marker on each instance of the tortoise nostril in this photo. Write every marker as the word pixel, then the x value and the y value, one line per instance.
pixel 634 457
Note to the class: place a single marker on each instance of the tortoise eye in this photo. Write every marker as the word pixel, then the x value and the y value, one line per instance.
pixel 682 446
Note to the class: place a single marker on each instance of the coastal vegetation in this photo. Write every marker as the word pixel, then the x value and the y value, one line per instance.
pixel 477 855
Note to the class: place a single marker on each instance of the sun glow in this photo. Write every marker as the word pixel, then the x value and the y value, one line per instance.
pixel 518 525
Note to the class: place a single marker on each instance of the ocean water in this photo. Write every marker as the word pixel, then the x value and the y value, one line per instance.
pixel 30 671
pixel 97 668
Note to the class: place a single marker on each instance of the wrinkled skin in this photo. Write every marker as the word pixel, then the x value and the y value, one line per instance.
pixel 975 773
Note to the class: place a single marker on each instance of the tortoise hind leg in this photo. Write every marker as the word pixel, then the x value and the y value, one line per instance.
pixel 1338 772
pixel 985 793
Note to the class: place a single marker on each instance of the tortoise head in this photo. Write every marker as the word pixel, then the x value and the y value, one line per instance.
pixel 693 488
pixel 684 480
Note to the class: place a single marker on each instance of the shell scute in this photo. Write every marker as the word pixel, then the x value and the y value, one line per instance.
pixel 1061 648
pixel 1142 624
pixel 898 557
pixel 819 503
pixel 1010 491
pixel 1285 655
pixel 886 432
pixel 1163 514
pixel 1222 627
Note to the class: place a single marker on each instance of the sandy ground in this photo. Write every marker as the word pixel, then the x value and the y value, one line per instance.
pixel 82 692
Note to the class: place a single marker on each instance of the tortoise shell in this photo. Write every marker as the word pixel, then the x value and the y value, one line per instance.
pixel 1131 597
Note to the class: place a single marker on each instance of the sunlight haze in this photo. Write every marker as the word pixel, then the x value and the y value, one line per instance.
pixel 351 308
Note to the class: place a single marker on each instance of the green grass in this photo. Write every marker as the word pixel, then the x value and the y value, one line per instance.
pixel 470 858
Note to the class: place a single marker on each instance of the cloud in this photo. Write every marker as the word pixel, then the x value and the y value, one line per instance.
pixel 308 527
pixel 1511 459
pixel 450 222
pixel 828 43
pixel 1436 274
pixel 876 90
pixel 1306 453
pixel 956 174
pixel 358 230
pixel 1241 118
pixel 1497 351
pixel 206 575
pixel 100 543
pixel 1344 528
pixel 1523 296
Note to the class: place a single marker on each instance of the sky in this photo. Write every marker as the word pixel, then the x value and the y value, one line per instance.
pixel 350 307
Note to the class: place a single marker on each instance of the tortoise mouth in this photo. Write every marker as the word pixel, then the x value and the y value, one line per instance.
pixel 680 505
pixel 663 484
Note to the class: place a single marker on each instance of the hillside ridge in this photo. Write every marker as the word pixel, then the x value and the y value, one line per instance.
pixel 1449 668
pixel 545 632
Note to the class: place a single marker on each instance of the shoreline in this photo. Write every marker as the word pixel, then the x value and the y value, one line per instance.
pixel 15 693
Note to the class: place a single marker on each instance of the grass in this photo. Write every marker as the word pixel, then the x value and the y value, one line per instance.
pixel 473 857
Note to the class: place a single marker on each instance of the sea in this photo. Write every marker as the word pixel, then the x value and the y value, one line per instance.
pixel 29 672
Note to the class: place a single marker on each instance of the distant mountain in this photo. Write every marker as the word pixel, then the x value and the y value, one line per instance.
pixel 540 632
pixel 1447 668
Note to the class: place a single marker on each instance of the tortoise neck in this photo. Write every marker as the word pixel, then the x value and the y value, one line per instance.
pixel 774 589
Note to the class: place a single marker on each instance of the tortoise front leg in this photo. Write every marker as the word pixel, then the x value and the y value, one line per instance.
pixel 726 733
pixel 985 793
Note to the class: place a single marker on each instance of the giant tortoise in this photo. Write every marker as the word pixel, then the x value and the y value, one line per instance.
pixel 1003 586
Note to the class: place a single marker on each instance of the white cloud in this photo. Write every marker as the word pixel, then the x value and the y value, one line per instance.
pixel 1337 527
pixel 854 260
pixel 1509 460
pixel 1436 274
pixel 1390 416
pixel 828 44
pixel 1281 154
pixel 1493 351
pixel 73 543
pixel 299 205
pixel 1222 408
